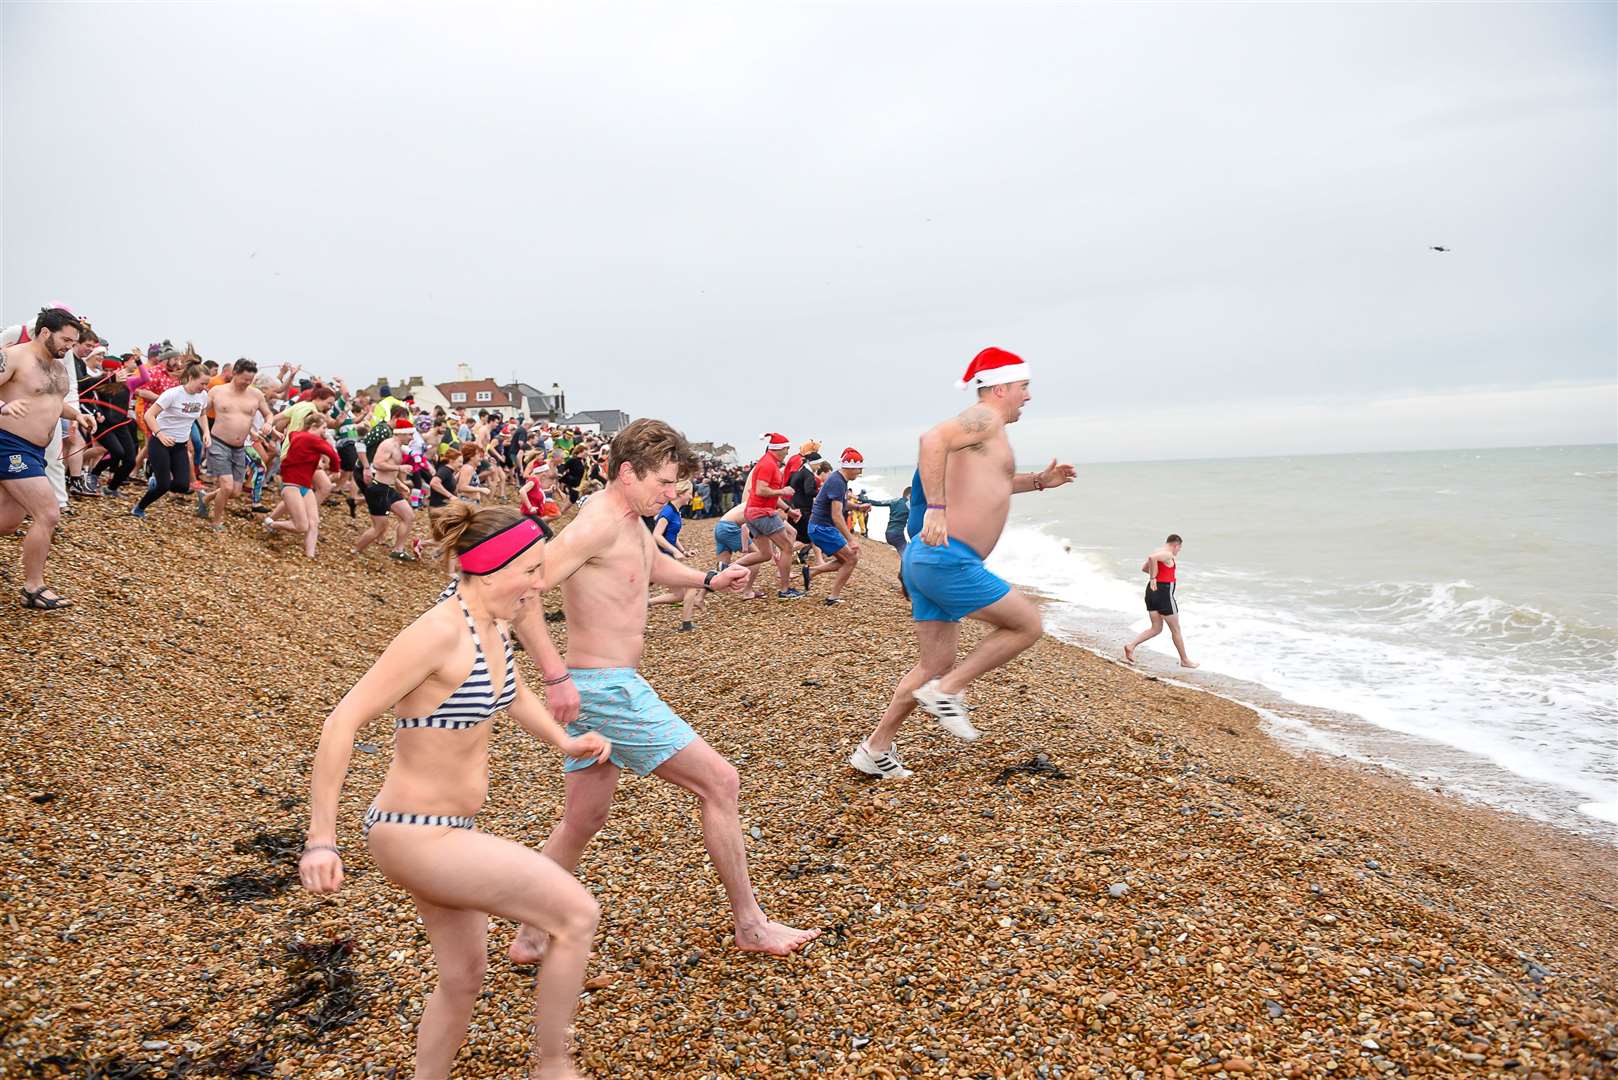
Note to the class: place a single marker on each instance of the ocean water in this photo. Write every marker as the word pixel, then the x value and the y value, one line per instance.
pixel 1450 615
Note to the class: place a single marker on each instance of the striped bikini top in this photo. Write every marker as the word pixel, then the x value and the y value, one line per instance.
pixel 474 700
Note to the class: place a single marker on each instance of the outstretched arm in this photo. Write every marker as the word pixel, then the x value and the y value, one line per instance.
pixel 1053 475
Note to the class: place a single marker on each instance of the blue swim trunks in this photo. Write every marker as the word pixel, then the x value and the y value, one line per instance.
pixel 19 458
pixel 621 705
pixel 727 536
pixel 948 583
pixel 827 538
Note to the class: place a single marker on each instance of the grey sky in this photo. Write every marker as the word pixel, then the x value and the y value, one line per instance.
pixel 1205 227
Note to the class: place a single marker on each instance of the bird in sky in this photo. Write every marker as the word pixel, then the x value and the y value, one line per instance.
pixel 1436 247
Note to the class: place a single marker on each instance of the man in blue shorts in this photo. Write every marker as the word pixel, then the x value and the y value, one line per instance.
pixel 603 562
pixel 959 501
pixel 34 386
pixel 828 527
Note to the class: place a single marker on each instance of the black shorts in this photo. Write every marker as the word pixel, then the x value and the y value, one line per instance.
pixel 1161 599
pixel 380 497
pixel 348 455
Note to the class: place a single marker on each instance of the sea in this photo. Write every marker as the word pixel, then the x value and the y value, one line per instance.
pixel 1449 615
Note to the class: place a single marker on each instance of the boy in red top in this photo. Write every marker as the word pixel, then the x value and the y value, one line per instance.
pixel 767 493
pixel 304 451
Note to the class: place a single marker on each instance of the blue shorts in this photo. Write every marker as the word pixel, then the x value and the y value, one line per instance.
pixel 621 705
pixel 827 538
pixel 19 458
pixel 727 536
pixel 948 583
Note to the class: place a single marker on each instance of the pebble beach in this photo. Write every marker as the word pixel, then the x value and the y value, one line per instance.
pixel 1123 878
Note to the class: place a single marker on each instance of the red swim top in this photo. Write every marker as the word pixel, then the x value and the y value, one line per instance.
pixel 1165 571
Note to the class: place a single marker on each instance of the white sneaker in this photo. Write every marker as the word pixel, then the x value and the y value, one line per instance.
pixel 883 766
pixel 948 709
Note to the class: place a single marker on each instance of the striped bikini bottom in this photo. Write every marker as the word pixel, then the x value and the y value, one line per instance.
pixel 373 816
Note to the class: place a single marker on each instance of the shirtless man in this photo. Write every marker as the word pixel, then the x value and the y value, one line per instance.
pixel 33 400
pixel 962 492
pixel 603 562
pixel 234 404
pixel 385 494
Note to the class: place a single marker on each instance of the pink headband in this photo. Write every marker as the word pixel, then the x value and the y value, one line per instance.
pixel 497 551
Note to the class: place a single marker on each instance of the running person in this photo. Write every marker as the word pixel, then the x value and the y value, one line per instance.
pixel 232 406
pixel 303 455
pixel 828 527
pixel 603 561
pixel 168 453
pixel 440 677
pixel 773 538
pixel 384 494
pixel 33 402
pixel 1162 604
pixel 959 500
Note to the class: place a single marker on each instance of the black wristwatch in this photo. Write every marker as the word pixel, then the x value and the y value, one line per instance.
pixel 707 579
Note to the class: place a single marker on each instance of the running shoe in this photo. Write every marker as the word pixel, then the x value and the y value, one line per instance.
pixel 883 766
pixel 686 627
pixel 92 484
pixel 789 594
pixel 75 487
pixel 202 505
pixel 138 513
pixel 833 601
pixel 948 709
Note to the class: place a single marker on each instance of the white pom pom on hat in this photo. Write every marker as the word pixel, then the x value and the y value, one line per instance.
pixel 775 440
pixel 852 459
pixel 993 367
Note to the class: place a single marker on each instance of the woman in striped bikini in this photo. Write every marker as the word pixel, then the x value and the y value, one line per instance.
pixel 443 688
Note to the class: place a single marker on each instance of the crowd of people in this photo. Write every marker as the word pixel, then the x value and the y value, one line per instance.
pixel 78 419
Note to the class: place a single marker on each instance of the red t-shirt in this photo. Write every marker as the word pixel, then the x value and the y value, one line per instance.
pixel 768 474
pixel 304 452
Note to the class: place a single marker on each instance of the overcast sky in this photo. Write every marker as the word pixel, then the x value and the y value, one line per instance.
pixel 1205 227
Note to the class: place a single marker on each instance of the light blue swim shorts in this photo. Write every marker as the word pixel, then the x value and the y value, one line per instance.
pixel 947 583
pixel 622 706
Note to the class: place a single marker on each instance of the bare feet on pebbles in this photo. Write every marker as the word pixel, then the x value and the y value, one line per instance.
pixel 776 939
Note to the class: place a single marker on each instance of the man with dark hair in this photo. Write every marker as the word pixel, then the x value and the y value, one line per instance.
pixel 232 405
pixel 33 400
pixel 603 562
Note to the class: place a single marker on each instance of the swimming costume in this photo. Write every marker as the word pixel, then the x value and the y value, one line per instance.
pixel 947 583
pixel 727 536
pixel 473 701
pixel 622 706
pixel 827 538
pixel 1165 571
pixel 379 497
pixel 1162 599
pixel 19 458
pixel 226 460
pixel 299 488
pixel 768 525
pixel 373 816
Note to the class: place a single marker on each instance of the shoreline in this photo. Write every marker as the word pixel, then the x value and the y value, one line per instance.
pixel 1283 915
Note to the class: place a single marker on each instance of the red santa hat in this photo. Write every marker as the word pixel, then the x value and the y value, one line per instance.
pixel 994 367
pixel 775 440
pixel 852 459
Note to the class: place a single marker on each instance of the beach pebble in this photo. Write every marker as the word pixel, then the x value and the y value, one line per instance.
pixel 1117 889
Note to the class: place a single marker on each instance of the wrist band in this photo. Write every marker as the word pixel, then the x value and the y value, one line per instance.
pixel 936 506
pixel 707 579
pixel 333 848
pixel 1039 485
pixel 559 680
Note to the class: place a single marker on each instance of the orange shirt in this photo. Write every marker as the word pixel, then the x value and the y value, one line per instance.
pixel 217 380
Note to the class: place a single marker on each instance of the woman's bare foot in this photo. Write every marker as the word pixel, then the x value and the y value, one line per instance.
pixel 1189 663
pixel 528 947
pixel 1129 653
pixel 773 938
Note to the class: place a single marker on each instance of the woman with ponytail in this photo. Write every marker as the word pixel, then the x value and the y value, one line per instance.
pixel 444 677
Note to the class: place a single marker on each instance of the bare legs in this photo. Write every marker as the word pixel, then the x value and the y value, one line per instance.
pixel 699 769
pixel 777 546
pixel 1016 625
pixel 303 517
pixel 456 876
pixel 33 498
pixel 1158 622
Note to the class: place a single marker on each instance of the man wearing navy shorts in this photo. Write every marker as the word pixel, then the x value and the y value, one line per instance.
pixel 960 498
pixel 828 527
pixel 603 562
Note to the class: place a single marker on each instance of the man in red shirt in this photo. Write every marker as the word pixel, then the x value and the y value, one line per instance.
pixel 773 538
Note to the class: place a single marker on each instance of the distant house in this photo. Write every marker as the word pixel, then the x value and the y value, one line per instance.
pixel 535 404
pixel 475 395
pixel 608 422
